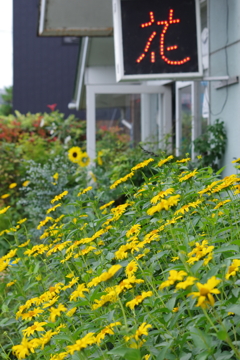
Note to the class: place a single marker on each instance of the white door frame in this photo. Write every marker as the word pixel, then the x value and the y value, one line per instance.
pixel 93 90
pixel 195 112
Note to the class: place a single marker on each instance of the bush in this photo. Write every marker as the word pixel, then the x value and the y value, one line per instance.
pixel 155 277
pixel 211 144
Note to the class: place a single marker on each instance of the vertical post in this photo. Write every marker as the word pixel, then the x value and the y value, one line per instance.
pixel 178 122
pixel 91 123
pixel 167 114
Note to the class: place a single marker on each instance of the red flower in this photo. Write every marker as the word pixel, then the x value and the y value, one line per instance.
pixel 52 107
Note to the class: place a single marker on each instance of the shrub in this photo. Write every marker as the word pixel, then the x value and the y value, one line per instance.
pixel 153 278
pixel 211 144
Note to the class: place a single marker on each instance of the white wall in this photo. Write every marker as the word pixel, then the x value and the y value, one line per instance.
pixel 224 31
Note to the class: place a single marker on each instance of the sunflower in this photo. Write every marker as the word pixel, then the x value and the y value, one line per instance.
pixel 84 160
pixel 75 154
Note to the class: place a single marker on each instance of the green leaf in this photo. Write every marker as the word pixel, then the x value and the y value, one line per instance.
pixel 234 309
pixel 186 356
pixel 227 248
pixel 133 354
pixel 163 351
pixel 222 335
pixel 121 351
pixel 221 170
pixel 4 308
pixel 203 355
pixel 201 341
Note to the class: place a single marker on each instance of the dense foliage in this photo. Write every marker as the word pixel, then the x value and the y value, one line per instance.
pixel 154 277
pixel 211 144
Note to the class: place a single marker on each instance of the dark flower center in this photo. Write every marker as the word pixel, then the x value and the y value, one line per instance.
pixel 74 154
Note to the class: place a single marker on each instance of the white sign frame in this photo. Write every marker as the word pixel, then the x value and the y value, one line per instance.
pixel 118 47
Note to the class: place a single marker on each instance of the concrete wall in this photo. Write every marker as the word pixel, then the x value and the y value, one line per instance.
pixel 224 31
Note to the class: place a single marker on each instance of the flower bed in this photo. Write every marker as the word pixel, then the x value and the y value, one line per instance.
pixel 152 278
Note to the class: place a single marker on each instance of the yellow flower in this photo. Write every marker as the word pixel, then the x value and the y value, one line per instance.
pixel 131 268
pixel 37 326
pixel 51 302
pixel 71 312
pixel 236 161
pixel 79 292
pixel 205 292
pixel 142 330
pixel 2 211
pixel 183 160
pixel 5 196
pixel 104 276
pixel 188 176
pixel 121 180
pixel 99 158
pixel 12 186
pixel 134 229
pixel 11 283
pixel 162 162
pixel 161 194
pixel 22 350
pixel 59 356
pixel 60 196
pixel 53 208
pixel 70 275
pixel 82 343
pixel 84 191
pixel 74 154
pixel 175 258
pixel 22 221
pixel 25 244
pixel 164 204
pixel 199 157
pixel 56 176
pixel 233 268
pixel 142 164
pixel 200 251
pixel 176 309
pixel 46 338
pixel 31 314
pixel 138 299
pixel 174 276
pixel 84 160
pixel 54 312
pixel 26 183
pixel 190 280
pixel 146 357
pixel 221 203
pixel 107 330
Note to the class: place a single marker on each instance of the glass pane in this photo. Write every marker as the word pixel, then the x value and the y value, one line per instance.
pixel 119 114
pixel 186 119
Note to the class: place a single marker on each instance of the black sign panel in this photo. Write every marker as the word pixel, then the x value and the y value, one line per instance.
pixel 159 37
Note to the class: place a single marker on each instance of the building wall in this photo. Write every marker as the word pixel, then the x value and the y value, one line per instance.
pixel 224 24
pixel 44 68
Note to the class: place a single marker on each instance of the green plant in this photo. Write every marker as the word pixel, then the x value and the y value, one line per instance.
pixel 211 144
pixel 155 278
pixel 6 107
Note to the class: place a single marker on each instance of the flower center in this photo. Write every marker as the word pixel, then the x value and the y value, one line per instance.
pixel 204 291
pixel 74 154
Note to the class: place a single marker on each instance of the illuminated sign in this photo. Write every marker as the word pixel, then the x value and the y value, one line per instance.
pixel 157 39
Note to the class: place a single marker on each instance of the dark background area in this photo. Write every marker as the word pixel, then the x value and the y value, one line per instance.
pixel 43 67
pixel 183 34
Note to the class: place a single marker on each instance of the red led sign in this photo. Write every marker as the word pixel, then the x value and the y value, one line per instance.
pixel 166 24
pixel 157 39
